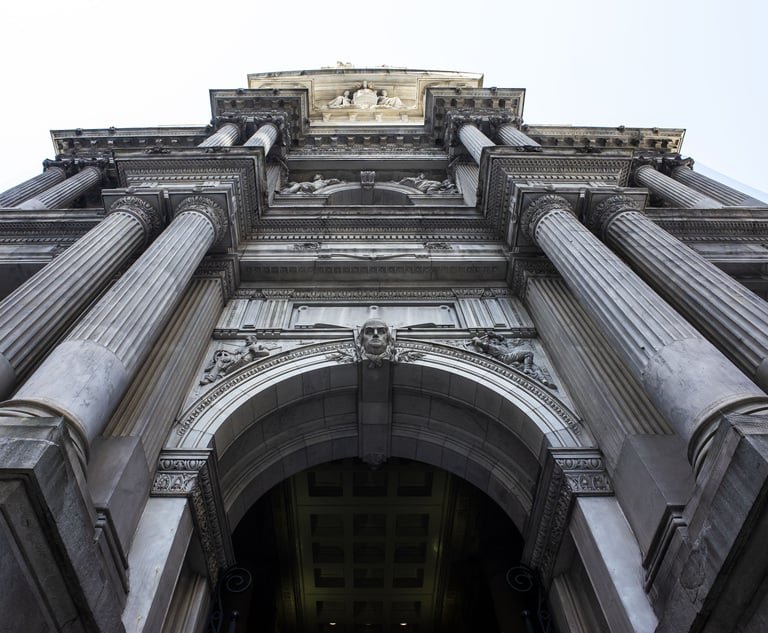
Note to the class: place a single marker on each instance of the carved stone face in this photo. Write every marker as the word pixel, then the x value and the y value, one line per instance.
pixel 374 337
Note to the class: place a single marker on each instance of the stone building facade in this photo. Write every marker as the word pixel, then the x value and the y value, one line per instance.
pixel 381 294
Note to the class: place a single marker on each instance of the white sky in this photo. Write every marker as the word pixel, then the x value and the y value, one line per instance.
pixel 665 63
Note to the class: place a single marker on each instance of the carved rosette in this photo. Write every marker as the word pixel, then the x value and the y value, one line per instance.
pixel 568 473
pixel 192 474
pixel 600 217
pixel 209 209
pixel 538 209
pixel 145 213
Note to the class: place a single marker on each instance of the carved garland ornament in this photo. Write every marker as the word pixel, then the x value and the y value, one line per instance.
pixel 145 213
pixel 209 210
pixel 539 208
pixel 599 218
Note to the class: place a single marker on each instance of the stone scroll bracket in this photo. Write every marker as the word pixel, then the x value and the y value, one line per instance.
pixel 567 473
pixel 192 473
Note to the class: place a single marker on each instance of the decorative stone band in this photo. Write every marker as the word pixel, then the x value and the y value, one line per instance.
pixel 192 473
pixel 145 213
pixel 600 217
pixel 567 473
pixel 209 209
pixel 539 208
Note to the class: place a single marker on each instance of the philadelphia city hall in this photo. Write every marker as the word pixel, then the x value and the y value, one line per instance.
pixel 369 353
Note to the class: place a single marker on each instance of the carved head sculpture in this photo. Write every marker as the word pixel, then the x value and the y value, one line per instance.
pixel 375 338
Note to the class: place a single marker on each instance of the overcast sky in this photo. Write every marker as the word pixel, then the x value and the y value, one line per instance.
pixel 699 65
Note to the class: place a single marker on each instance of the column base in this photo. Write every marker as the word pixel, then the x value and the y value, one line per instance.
pixel 55 568
pixel 712 578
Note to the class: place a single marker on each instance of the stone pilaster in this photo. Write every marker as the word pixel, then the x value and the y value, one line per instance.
pixel 156 394
pixel 65 192
pixel 474 140
pixel 35 315
pixel 729 314
pixel 510 135
pixel 467 178
pixel 688 380
pixel 86 375
pixel 265 137
pixel 226 135
pixel 713 189
pixel 673 191
pixel 30 188
pixel 612 402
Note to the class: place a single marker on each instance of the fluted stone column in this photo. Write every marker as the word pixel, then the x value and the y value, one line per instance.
pixel 673 191
pixel 157 393
pixel 510 135
pixel 39 311
pixel 474 140
pixel 29 188
pixel 226 135
pixel 65 192
pixel 84 377
pixel 265 137
pixel 732 316
pixel 713 188
pixel 689 381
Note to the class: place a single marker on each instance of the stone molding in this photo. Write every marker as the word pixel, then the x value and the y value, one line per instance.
pixel 192 473
pixel 360 294
pixel 224 268
pixel 346 351
pixel 567 473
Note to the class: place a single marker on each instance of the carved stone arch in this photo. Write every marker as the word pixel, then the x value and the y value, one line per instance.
pixel 450 408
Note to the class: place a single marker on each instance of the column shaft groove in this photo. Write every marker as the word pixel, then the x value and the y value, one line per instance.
pixel 65 192
pixel 474 140
pixel 510 135
pixel 672 191
pixel 732 316
pixel 226 135
pixel 265 137
pixel 32 187
pixel 35 314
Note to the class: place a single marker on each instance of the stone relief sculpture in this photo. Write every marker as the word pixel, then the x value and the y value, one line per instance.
pixel 375 343
pixel 312 186
pixel 365 97
pixel 225 362
pixel 389 102
pixel 342 101
pixel 511 352
pixel 428 187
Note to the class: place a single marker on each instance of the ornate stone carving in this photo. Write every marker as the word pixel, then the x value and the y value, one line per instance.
pixel 209 209
pixel 375 343
pixel 225 362
pixel 364 97
pixel 598 218
pixel 540 207
pixel 429 187
pixel 192 474
pixel 310 187
pixel 342 351
pixel 512 352
pixel 568 473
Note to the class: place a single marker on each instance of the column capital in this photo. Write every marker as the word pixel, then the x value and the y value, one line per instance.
pixel 540 207
pixel 598 217
pixel 209 209
pixel 149 217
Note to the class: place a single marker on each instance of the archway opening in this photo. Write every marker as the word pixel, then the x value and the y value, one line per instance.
pixel 406 547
